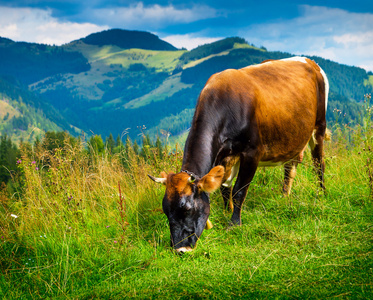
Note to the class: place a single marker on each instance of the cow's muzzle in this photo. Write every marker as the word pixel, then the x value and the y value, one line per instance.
pixel 182 250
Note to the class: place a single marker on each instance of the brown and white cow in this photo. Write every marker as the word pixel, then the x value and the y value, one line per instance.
pixel 261 115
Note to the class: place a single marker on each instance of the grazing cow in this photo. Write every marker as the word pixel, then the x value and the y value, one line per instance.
pixel 261 115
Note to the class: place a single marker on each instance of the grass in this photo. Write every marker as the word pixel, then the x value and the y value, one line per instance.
pixel 164 61
pixel 78 237
pixel 368 81
pixel 7 110
pixel 169 87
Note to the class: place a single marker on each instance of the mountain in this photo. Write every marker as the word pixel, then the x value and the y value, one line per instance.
pixel 120 81
pixel 127 39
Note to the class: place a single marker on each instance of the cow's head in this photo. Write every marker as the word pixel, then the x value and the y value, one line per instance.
pixel 187 206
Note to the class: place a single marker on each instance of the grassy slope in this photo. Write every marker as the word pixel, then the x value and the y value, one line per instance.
pixel 37 126
pixel 235 46
pixel 7 109
pixel 369 81
pixel 160 60
pixel 109 62
pixel 169 87
pixel 70 240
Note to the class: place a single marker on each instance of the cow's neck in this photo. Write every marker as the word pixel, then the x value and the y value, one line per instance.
pixel 200 152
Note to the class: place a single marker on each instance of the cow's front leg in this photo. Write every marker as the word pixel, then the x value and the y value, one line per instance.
pixel 245 175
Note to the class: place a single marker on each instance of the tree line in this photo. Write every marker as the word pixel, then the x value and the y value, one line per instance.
pixel 58 143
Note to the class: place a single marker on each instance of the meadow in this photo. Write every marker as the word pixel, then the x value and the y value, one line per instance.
pixel 89 225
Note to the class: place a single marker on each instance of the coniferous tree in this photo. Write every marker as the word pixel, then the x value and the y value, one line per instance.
pixel 110 144
pixel 96 144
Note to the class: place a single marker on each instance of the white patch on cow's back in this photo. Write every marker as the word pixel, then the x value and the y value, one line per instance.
pixel 296 58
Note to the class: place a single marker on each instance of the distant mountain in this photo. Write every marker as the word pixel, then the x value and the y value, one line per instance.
pixel 127 39
pixel 114 80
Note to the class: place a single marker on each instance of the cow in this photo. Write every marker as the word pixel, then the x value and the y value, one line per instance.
pixel 260 115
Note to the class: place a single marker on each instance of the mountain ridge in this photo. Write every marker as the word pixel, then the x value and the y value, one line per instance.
pixel 101 87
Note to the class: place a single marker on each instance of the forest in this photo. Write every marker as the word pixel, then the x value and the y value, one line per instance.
pixel 126 39
pixel 55 141
pixel 33 62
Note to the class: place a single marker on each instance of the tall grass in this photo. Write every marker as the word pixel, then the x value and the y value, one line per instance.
pixel 86 226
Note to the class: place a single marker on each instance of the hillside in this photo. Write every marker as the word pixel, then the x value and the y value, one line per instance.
pixel 25 116
pixel 30 62
pixel 117 79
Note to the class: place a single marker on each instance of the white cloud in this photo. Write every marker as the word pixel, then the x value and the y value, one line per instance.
pixel 38 26
pixel 332 33
pixel 188 41
pixel 137 15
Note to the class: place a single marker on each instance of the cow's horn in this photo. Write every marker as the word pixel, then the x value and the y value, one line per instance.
pixel 159 180
pixel 208 224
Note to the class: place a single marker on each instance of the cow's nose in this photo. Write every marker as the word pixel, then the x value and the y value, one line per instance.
pixel 182 250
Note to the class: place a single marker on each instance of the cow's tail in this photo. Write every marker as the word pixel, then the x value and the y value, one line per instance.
pixel 328 133
pixel 326 83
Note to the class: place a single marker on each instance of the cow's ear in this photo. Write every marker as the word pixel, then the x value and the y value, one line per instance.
pixel 213 180
pixel 161 179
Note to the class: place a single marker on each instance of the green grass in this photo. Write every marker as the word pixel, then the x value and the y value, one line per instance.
pixel 235 46
pixel 164 61
pixel 169 87
pixel 308 245
pixel 369 81
pixel 198 61
pixel 7 110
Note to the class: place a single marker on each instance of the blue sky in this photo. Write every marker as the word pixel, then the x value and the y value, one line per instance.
pixel 335 29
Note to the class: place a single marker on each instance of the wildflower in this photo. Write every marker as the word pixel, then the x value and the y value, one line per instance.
pixel 115 242
pixel 19 161
pixel 108 226
pixel 14 216
pixel 33 162
pixel 37 169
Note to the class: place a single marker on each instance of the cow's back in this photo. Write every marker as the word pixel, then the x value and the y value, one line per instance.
pixel 280 101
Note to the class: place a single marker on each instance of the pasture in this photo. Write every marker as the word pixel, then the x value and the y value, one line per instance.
pixel 87 227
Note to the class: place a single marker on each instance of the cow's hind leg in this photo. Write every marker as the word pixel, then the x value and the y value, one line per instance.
pixel 290 172
pixel 317 150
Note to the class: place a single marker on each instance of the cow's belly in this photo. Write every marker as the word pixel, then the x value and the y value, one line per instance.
pixel 285 159
pixel 271 163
